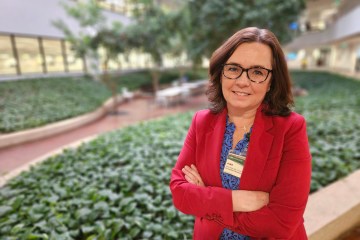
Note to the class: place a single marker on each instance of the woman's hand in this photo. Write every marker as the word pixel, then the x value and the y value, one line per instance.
pixel 192 175
pixel 243 200
pixel 248 201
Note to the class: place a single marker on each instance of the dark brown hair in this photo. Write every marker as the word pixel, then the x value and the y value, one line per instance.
pixel 279 99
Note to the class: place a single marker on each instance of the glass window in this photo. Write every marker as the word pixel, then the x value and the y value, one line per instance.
pixel 74 64
pixel 133 59
pixel 7 60
pixel 29 55
pixel 124 62
pixel 357 64
pixel 112 63
pixel 105 4
pixel 53 55
pixel 125 7
pixel 120 6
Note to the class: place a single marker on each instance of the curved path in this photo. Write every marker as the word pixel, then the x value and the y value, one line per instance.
pixel 130 112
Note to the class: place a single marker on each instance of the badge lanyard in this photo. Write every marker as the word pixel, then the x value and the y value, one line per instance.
pixel 235 162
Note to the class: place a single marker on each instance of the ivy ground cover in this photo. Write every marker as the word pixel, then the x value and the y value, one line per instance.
pixel 36 102
pixel 332 112
pixel 116 187
pixel 31 103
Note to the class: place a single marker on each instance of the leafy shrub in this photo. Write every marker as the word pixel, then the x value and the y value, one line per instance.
pixel 169 76
pixel 142 80
pixel 132 81
pixel 332 111
pixel 115 187
pixel 32 103
pixel 37 102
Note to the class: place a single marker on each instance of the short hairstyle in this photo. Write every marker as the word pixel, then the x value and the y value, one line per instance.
pixel 279 99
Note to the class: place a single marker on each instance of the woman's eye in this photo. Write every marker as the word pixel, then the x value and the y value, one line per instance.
pixel 258 72
pixel 233 69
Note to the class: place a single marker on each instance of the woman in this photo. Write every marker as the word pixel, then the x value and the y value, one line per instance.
pixel 244 170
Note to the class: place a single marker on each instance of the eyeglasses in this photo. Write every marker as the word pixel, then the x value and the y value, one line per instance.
pixel 254 74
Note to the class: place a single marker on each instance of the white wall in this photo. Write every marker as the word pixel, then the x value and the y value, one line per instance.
pixel 346 26
pixel 35 17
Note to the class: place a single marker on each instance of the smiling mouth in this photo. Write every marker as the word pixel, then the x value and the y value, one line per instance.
pixel 241 93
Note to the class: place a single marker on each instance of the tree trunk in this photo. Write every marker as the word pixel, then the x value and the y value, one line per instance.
pixel 155 74
pixel 85 65
pixel 110 84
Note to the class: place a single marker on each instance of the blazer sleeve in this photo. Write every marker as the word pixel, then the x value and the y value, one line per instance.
pixel 288 198
pixel 192 199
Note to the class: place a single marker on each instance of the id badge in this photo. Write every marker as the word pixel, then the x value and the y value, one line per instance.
pixel 234 164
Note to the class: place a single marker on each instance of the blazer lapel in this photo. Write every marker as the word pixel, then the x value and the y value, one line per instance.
pixel 258 151
pixel 213 145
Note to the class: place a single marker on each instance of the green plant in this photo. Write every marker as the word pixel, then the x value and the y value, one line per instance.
pixel 333 122
pixel 36 102
pixel 113 187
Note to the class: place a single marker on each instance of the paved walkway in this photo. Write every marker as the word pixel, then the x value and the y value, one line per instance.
pixel 131 112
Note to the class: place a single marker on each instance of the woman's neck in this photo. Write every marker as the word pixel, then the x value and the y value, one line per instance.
pixel 241 117
pixel 243 120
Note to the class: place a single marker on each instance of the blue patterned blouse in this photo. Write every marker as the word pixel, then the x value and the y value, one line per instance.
pixel 230 181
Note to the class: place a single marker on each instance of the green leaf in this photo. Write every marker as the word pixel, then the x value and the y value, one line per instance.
pixel 83 212
pixel 171 213
pixel 87 229
pixel 5 210
pixel 102 206
pixel 147 234
pixel 134 232
pixel 17 229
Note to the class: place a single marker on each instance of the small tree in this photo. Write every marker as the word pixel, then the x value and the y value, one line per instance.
pixel 151 35
pixel 114 42
pixel 90 20
pixel 94 35
pixel 177 21
pixel 207 23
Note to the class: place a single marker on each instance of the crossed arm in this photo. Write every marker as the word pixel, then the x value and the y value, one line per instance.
pixel 258 214
pixel 242 200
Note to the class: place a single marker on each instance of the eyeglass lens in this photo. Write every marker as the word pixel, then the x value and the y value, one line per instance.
pixel 254 74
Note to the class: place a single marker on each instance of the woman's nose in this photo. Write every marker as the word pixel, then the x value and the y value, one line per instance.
pixel 243 79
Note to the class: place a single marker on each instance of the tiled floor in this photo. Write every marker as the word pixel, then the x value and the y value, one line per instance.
pixel 131 112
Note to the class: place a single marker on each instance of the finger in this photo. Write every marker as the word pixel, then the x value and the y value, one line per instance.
pixel 190 180
pixel 195 172
pixel 197 178
pixel 188 171
pixel 192 170
pixel 194 181
pixel 194 167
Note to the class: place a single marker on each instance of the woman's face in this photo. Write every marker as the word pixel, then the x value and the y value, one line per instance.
pixel 241 94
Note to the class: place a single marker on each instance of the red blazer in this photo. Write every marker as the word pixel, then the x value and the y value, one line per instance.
pixel 278 161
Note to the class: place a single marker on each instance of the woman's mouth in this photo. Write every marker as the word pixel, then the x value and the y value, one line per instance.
pixel 241 93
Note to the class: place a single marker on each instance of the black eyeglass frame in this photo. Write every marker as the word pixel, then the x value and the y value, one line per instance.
pixel 246 70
